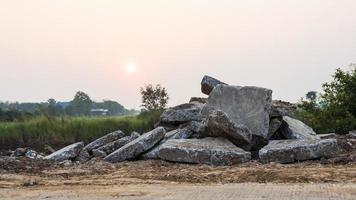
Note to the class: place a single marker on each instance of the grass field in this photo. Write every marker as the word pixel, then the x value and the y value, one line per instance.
pixel 61 131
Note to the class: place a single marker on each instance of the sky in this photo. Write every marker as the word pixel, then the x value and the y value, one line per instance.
pixel 111 48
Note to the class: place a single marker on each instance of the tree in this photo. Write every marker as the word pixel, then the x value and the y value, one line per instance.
pixel 80 105
pixel 341 92
pixel 114 107
pixel 335 109
pixel 154 97
pixel 311 95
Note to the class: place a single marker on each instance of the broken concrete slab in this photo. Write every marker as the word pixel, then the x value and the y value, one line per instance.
pixel 282 108
pixel 117 144
pixel 249 106
pixel 218 124
pixel 182 114
pixel 67 153
pixel 137 146
pixel 289 151
pixel 152 153
pixel 208 84
pixel 211 151
pixel 295 129
pixel 104 140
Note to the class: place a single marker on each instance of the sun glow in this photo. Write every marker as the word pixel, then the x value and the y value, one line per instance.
pixel 131 68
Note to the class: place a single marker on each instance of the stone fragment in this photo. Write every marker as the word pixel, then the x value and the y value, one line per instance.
pixel 289 151
pixel 113 146
pixel 67 153
pixel 211 151
pixel 295 129
pixel 137 146
pixel 220 125
pixel 152 153
pixel 104 140
pixel 208 84
pixel 181 114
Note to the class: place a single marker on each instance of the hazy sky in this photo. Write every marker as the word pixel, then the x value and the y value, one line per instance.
pixel 53 48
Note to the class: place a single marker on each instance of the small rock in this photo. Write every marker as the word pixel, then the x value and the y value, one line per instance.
pixel 20 152
pixel 211 151
pixel 33 154
pixel 66 153
pixel 137 146
pixel 208 84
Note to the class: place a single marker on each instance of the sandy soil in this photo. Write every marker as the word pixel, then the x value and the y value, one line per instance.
pixel 28 179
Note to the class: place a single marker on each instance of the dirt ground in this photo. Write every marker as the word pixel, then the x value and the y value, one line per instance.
pixel 29 179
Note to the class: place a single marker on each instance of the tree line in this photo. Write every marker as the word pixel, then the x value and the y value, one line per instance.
pixel 81 105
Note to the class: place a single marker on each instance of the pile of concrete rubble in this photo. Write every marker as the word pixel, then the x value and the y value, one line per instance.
pixel 233 125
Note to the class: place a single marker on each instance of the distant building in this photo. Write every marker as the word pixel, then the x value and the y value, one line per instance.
pixel 99 112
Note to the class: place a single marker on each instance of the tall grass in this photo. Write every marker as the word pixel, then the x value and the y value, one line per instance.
pixel 61 131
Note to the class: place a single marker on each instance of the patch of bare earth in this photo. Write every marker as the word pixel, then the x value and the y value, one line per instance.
pixel 27 172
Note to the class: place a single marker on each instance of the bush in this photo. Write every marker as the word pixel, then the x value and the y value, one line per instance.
pixel 61 131
pixel 335 110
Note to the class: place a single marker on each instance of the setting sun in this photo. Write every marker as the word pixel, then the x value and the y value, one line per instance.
pixel 131 68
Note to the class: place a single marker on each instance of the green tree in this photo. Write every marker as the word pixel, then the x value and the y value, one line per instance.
pixel 80 105
pixel 154 97
pixel 335 109
pixel 52 107
pixel 114 107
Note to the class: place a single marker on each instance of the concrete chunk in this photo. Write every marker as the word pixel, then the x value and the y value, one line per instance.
pixel 208 83
pixel 137 146
pixel 182 114
pixel 113 146
pixel 67 153
pixel 289 151
pixel 295 129
pixel 104 140
pixel 211 151
pixel 249 106
pixel 220 125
